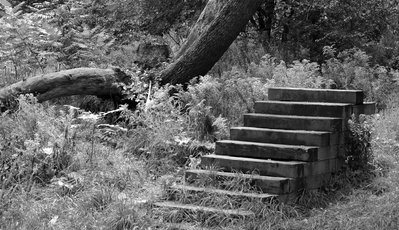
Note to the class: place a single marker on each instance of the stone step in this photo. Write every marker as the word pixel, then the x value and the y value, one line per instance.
pixel 282 136
pixel 193 194
pixel 267 184
pixel 272 121
pixel 316 95
pixel 290 169
pixel 196 209
pixel 268 151
pixel 304 108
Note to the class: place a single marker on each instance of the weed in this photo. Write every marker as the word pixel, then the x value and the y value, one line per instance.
pixel 360 155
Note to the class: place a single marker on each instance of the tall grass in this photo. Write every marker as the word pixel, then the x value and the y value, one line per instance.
pixel 56 173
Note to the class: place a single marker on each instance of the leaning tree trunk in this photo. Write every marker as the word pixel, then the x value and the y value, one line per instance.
pixel 208 14
pixel 218 26
pixel 81 81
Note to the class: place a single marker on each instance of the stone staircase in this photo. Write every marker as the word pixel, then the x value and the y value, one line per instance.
pixel 293 141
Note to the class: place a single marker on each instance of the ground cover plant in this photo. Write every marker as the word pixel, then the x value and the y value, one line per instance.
pixel 65 167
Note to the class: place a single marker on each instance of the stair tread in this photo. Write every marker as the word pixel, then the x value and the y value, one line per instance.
pixel 317 90
pixel 305 147
pixel 316 95
pixel 243 175
pixel 266 150
pixel 282 130
pixel 256 160
pixel 305 103
pixel 292 116
pixel 195 208
pixel 290 121
pixel 223 192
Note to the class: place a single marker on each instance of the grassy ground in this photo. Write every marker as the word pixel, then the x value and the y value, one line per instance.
pixel 90 184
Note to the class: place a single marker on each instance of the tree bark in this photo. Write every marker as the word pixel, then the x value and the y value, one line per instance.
pixel 208 14
pixel 210 37
pixel 81 81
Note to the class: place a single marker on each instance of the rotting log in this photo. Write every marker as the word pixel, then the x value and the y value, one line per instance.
pixel 80 81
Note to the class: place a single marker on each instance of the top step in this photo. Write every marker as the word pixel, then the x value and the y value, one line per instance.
pixel 316 95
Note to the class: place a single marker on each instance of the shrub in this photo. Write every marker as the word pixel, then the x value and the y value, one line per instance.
pixel 358 149
pixel 351 69
pixel 236 91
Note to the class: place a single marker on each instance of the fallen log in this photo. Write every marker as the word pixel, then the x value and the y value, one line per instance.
pixel 80 81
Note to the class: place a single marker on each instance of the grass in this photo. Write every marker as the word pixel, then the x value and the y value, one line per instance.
pixel 102 187
pixel 362 198
pixel 85 183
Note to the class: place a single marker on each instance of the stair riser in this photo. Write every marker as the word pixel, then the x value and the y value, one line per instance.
pixel 265 152
pixel 281 137
pixel 327 124
pixel 330 152
pixel 310 183
pixel 266 186
pixel 303 109
pixel 261 168
pixel 316 95
pixel 367 108
pixel 272 169
pixel 313 182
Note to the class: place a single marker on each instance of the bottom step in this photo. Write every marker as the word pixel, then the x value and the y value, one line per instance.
pixel 217 198
pixel 195 209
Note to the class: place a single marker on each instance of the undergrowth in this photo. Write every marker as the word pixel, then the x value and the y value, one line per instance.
pixel 60 164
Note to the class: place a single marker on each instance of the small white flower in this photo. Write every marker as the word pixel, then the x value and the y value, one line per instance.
pixel 48 151
pixel 89 116
pixel 53 220
pixel 122 196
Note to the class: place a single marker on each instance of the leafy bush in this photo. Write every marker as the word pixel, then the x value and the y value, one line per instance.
pixel 229 97
pixel 236 91
pixel 351 69
pixel 359 152
pixel 161 133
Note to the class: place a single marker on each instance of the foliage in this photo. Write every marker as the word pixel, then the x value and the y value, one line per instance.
pixel 66 169
pixel 28 43
pixel 300 29
pixel 162 134
pixel 351 69
pixel 360 155
pixel 236 91
pixel 59 154
pixel 35 150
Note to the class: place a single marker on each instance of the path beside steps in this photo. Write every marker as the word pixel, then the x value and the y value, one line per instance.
pixel 293 141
